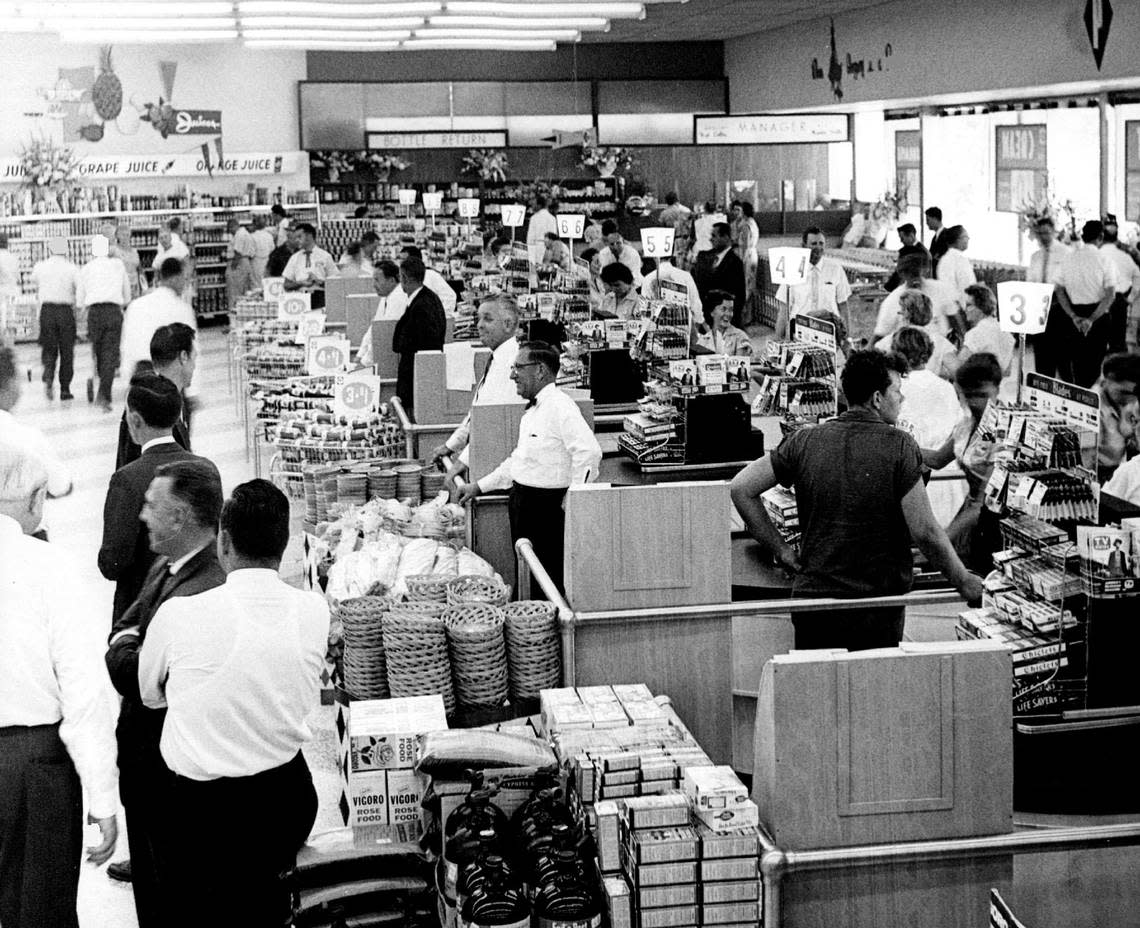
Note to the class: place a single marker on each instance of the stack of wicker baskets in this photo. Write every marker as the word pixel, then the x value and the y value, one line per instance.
pixel 415 645
pixel 478 654
pixel 533 653
pixel 365 666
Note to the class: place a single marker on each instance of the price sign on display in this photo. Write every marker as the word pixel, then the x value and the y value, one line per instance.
pixel 433 200
pixel 657 243
pixel 294 305
pixel 570 225
pixel 469 207
pixel 814 331
pixel 309 325
pixel 674 293
pixel 407 196
pixel 326 354
pixel 513 214
pixel 788 265
pixel 272 288
pixel 356 394
pixel 1023 306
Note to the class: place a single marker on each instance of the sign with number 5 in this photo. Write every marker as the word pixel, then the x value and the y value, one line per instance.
pixel 788 265
pixel 1023 307
pixel 657 243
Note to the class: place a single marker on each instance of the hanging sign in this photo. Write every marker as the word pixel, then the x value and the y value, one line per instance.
pixel 469 207
pixel 310 324
pixel 788 265
pixel 657 243
pixel 433 200
pixel 125 167
pixel 495 138
pixel 513 214
pixel 1023 306
pixel 356 394
pixel 747 129
pixel 407 196
pixel 272 288
pixel 570 225
pixel 326 354
pixel 294 305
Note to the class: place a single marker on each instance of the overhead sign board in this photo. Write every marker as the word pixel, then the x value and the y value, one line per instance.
pixel 770 130
pixel 496 138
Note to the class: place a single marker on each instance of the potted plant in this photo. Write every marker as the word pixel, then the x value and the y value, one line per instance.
pixel 606 160
pixel 383 163
pixel 1048 206
pixel 488 164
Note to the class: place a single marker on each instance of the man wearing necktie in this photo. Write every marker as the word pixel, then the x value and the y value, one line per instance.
pixel 1044 266
pixel 173 355
pixel 181 510
pixel 310 267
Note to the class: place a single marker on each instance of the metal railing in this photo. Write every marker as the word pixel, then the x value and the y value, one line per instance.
pixel 412 430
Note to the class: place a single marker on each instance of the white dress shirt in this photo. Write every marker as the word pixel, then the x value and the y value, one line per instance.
pixel 955 269
pixel 32 439
pixel 241 244
pixel 667 271
pixel 1124 268
pixel 944 306
pixel 103 280
pixel 556 447
pixel 56 279
pixel 305 266
pixel 629 257
pixel 987 336
pixel 824 288
pixel 1085 275
pixel 541 222
pixel 1044 265
pixel 263 243
pixel 162 306
pixel 438 285
pixel 237 668
pixel 177 250
pixel 1125 482
pixel 495 389
pixel 930 408
pixel 51 662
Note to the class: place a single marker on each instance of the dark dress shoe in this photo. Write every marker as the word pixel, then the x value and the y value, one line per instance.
pixel 120 870
pixel 67 396
pixel 90 390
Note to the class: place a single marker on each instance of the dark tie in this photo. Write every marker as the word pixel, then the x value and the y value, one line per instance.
pixel 483 379
pixel 531 404
pixel 308 259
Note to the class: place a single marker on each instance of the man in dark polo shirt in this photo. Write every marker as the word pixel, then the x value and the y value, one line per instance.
pixel 861 501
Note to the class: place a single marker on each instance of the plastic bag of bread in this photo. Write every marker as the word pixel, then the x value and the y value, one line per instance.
pixel 418 558
pixel 385 552
pixel 453 753
pixel 446 562
pixel 470 563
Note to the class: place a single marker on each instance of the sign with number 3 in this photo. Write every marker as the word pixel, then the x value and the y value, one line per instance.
pixel 1023 307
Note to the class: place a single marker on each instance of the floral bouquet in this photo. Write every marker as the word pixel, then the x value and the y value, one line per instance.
pixel 384 163
pixel 486 163
pixel 605 159
pixel 889 206
pixel 1048 206
pixel 49 170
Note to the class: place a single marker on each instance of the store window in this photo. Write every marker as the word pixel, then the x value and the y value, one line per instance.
pixel 1132 170
pixel 908 165
pixel 1021 164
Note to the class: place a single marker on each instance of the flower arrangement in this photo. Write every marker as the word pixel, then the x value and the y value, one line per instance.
pixel 605 159
pixel 335 162
pixel 344 162
pixel 1048 206
pixel 486 163
pixel 48 170
pixel 384 163
pixel 890 206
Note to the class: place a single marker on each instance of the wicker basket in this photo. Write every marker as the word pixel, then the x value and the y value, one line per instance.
pixel 428 588
pixel 478 654
pixel 473 588
pixel 365 661
pixel 533 648
pixel 415 645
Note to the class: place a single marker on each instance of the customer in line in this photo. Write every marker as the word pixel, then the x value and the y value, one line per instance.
pixel 497 323
pixel 104 290
pixel 433 280
pixel 556 253
pixel 824 291
pixel 985 334
pixel 615 250
pixel 556 449
pixel 281 255
pixel 309 267
pixel 422 327
pixel 915 273
pixel 173 355
pixel 746 235
pixel 1123 259
pixel 1085 288
pixel 181 512
pixel 858 484
pixel 162 306
pixel 56 730
pixel 668 272
pixel 153 406
pixel 393 301
pixel 621 299
pixel 1119 412
pixel 719 268
pixel 56 279
pixel 954 268
pixel 916 309
pixel 236 669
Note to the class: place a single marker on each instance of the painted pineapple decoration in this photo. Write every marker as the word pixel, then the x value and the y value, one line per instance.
pixel 107 94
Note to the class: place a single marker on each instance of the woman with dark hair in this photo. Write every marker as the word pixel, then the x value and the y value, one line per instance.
pixel 917 309
pixel 954 267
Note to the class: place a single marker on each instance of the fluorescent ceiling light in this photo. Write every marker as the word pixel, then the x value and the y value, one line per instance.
pixel 513 22
pixel 320 43
pixel 319 35
pixel 119 37
pixel 495 44
pixel 72 24
pixel 321 22
pixel 554 35
pixel 117 10
pixel 622 9
pixel 335 9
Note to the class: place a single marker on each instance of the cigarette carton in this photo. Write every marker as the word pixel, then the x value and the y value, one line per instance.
pixel 632 692
pixel 730 891
pixel 619 901
pixel 730 868
pixel 713 788
pixel 730 912
pixel 663 874
pixel 606 836
pixel 735 842
pixel 669 810
pixel 596 695
pixel 743 814
pixel 662 845
pixel 671 917
pixel 657 897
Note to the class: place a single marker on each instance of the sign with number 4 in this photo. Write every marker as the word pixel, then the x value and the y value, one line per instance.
pixel 657 243
pixel 1023 306
pixel 570 225
pixel 327 354
pixel 357 394
pixel 788 265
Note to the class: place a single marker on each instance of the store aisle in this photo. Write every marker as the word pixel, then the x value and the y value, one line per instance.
pixel 85 439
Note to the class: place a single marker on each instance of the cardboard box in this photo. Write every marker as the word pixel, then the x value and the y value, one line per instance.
pixel 664 874
pixel 406 790
pixel 657 897
pixel 711 789
pixel 382 733
pixel 606 836
pixel 730 891
pixel 662 845
pixel 669 810
pixel 742 815
pixel 729 868
pixel 619 901
pixel 671 917
pixel 730 912
pixel 367 795
pixel 735 842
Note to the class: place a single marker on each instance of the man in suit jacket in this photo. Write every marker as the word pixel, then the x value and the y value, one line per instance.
pixel 183 503
pixel 421 328
pixel 153 406
pixel 173 355
pixel 939 241
pixel 720 268
pixel 908 235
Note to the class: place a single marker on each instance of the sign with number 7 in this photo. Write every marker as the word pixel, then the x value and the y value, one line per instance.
pixel 1023 306
pixel 788 265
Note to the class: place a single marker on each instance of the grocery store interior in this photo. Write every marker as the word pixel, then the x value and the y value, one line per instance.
pixel 577 669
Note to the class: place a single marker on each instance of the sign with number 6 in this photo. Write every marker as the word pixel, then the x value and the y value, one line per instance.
pixel 1023 307
pixel 657 243
pixel 788 265
pixel 570 225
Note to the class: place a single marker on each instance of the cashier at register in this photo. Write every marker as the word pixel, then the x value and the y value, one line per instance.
pixel 621 300
pixel 556 449
pixel 861 499
pixel 310 267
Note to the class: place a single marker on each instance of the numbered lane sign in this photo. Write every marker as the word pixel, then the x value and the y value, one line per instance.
pixel 356 394
pixel 294 305
pixel 308 325
pixel 1023 306
pixel 513 214
pixel 433 200
pixel 469 207
pixel 570 225
pixel 788 265
pixel 326 355
pixel 657 243
pixel 272 289
pixel 407 196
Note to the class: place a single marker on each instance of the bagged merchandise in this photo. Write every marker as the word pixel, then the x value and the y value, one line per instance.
pixel 471 563
pixel 446 562
pixel 418 558
pixel 451 753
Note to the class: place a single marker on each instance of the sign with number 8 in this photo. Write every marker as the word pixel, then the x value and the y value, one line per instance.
pixel 1023 306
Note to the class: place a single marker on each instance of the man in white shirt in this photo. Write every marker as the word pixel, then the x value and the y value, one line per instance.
pixel 497 323
pixel 674 212
pixel 703 229
pixel 56 279
pixel 169 246
pixel 55 715
pixel 1127 280
pixel 541 222
pixel 621 300
pixel 616 251
pixel 1044 266
pixel 1085 290
pixel 433 280
pixel 239 255
pixel 556 449
pixel 161 306
pixel 263 245
pixel 668 273
pixel 914 271
pixel 281 222
pixel 824 291
pixel 954 267
pixel 310 267
pixel 237 670
pixel 393 302
pixel 104 289
pixel 9 271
